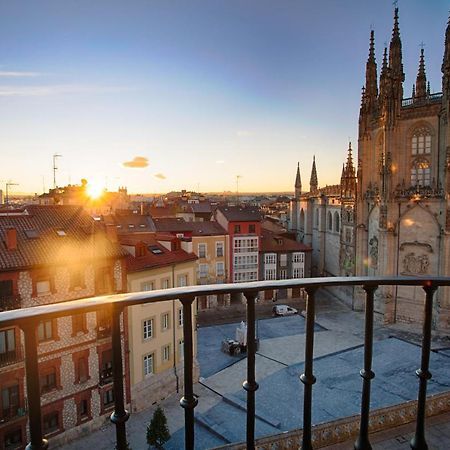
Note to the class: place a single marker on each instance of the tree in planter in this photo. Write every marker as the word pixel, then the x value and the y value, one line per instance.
pixel 157 430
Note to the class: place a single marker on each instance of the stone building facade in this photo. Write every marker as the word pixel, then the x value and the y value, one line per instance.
pixel 403 182
pixel 51 254
pixel 393 211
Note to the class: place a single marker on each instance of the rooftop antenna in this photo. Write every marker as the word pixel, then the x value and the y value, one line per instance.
pixel 8 184
pixel 237 188
pixel 55 168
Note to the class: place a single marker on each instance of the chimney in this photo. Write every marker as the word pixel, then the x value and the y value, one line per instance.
pixel 11 238
pixel 111 233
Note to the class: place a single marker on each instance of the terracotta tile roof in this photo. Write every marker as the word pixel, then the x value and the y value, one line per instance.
pixel 206 229
pixel 272 242
pixel 54 235
pixel 240 214
pixel 162 211
pixel 201 208
pixel 133 222
pixel 171 224
pixel 162 257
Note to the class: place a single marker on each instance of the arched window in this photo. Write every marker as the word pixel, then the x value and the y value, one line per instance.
pixel 302 219
pixel 330 221
pixel 420 172
pixel 421 142
pixel 336 222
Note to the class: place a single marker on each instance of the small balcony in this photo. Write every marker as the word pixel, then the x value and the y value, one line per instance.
pixel 8 302
pixel 103 331
pixel 359 428
pixel 13 412
pixel 12 356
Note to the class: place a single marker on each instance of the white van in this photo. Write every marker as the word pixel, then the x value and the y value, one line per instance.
pixel 283 310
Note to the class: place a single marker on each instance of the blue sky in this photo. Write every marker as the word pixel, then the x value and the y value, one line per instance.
pixel 205 90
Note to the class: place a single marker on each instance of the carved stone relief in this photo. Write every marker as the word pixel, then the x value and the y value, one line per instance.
pixel 373 252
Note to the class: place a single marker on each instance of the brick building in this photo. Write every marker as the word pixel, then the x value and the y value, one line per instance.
pixel 51 254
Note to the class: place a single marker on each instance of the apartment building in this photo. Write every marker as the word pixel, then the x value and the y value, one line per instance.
pixel 156 330
pixel 243 225
pixel 283 258
pixel 51 254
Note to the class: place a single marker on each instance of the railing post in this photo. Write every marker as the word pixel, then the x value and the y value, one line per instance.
pixel 418 442
pixel 120 414
pixel 307 378
pixel 250 385
pixel 363 443
pixel 188 402
pixel 33 389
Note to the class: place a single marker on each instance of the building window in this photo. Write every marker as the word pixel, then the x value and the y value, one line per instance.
pixel 317 217
pixel 202 250
pixel 220 269
pixel 10 402
pixel 13 439
pixel 298 272
pixel 147 329
pixel 148 286
pixel 237 228
pixel 83 409
pixel 298 257
pixel 270 258
pixel 82 370
pixel 48 381
pixel 270 274
pixel 43 287
pixel 106 369
pixel 148 364
pixel 252 228
pixel 283 259
pixel 51 422
pixel 219 249
pixel 76 280
pixel 6 288
pixel 283 274
pixel 45 331
pixel 182 280
pixel 336 222
pixel 203 270
pixel 165 284
pixel 108 398
pixel 79 324
pixel 7 344
pixel 421 142
pixel 330 221
pixel 165 321
pixel 180 317
pixel 166 353
pixel 181 348
pixel 420 172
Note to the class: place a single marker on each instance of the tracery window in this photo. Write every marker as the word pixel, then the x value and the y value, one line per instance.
pixel 420 172
pixel 421 142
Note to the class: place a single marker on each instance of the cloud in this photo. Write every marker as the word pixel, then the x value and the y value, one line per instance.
pixel 220 161
pixel 59 89
pixel 161 176
pixel 18 74
pixel 138 162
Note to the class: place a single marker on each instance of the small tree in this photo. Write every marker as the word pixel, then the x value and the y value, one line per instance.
pixel 157 430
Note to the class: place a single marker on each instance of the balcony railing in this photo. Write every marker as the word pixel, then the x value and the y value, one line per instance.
pixel 12 412
pixel 12 357
pixel 28 318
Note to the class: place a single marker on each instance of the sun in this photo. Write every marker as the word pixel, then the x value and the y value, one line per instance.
pixel 94 190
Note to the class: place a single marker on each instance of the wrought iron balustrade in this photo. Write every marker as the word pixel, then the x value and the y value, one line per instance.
pixel 14 356
pixel 8 302
pixel 28 318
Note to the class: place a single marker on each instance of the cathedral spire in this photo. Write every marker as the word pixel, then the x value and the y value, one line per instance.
pixel 371 88
pixel 396 65
pixel 421 80
pixel 348 178
pixel 349 167
pixel 445 68
pixel 313 183
pixel 298 183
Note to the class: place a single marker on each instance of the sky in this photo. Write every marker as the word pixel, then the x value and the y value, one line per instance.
pixel 162 95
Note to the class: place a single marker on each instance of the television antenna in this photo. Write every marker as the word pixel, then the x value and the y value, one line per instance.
pixel 55 168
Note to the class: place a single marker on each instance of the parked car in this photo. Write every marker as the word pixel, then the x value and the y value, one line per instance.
pixel 283 310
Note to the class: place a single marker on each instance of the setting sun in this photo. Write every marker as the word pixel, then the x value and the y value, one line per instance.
pixel 95 189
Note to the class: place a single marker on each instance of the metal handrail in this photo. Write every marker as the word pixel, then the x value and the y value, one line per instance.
pixel 28 319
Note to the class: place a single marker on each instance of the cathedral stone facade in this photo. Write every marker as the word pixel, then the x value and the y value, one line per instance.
pixel 394 216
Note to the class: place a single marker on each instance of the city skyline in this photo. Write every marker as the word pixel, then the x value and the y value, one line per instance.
pixel 160 98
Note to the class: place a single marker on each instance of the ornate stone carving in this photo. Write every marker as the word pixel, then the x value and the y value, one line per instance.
pixel 415 264
pixel 373 252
